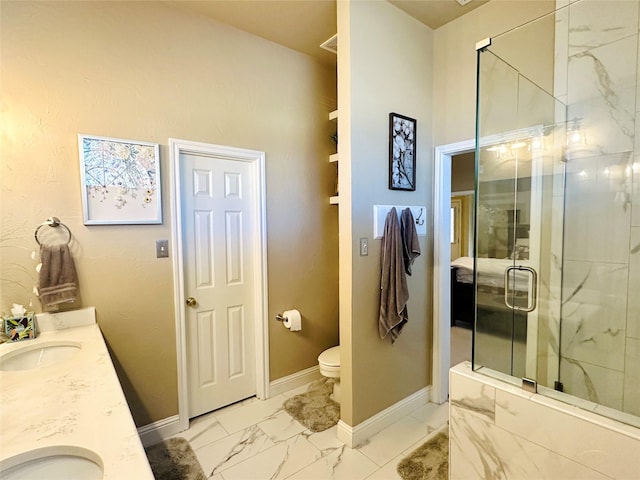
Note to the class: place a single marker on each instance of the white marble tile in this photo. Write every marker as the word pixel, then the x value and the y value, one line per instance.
pixel 632 377
pixel 479 449
pixel 561 53
pixel 598 448
pixel 633 304
pixel 343 463
pixel 594 313
pixel 602 91
pixel 592 382
pixel 391 441
pixel 389 471
pixel 432 414
pixel 596 23
pixel 278 462
pixel 476 397
pixel 595 206
pixel 281 426
pixel 229 451
pixel 326 440
pixel 203 430
pixel 295 391
pixel 250 414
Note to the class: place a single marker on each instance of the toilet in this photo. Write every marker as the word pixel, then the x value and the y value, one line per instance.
pixel 329 363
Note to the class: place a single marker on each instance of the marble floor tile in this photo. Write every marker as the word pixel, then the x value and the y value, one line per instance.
pixel 251 414
pixel 393 440
pixel 326 440
pixel 257 440
pixel 343 463
pixel 281 426
pixel 203 430
pixel 432 414
pixel 233 449
pixel 278 462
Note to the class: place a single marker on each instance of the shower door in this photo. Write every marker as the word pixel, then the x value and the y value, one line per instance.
pixel 516 169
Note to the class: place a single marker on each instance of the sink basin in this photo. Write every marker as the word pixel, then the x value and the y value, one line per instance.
pixel 38 355
pixel 53 463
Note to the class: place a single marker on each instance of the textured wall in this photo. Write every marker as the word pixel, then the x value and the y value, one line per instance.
pixel 385 67
pixel 144 71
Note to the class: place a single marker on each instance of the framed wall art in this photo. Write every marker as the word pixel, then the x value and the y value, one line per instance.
pixel 120 181
pixel 402 152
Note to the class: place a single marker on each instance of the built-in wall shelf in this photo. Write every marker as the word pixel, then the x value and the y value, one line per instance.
pixel 334 159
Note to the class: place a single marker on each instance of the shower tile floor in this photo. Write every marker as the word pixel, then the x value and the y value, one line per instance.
pixel 257 440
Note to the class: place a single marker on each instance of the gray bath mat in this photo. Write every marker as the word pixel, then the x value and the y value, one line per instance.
pixel 174 459
pixel 314 409
pixel 429 461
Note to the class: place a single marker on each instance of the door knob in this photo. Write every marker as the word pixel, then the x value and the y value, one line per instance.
pixel 191 302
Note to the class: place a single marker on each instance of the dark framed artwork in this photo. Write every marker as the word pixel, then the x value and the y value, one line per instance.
pixel 402 152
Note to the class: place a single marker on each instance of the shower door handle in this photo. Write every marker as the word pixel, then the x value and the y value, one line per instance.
pixel 531 306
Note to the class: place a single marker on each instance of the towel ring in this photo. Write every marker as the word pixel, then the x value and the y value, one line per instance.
pixel 52 222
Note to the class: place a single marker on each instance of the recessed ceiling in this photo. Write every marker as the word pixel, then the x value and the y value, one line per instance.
pixel 303 25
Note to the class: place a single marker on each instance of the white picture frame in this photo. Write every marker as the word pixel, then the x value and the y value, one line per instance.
pixel 120 181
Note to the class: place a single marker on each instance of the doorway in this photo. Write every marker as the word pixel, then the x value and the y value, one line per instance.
pixel 220 277
pixel 442 266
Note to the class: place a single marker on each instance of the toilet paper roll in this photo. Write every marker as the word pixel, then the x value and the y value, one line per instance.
pixel 293 320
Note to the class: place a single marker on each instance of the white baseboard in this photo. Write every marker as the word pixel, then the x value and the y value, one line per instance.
pixel 157 431
pixel 354 436
pixel 294 380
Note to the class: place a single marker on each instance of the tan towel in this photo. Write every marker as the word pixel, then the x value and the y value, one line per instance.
pixel 393 281
pixel 58 278
pixel 411 246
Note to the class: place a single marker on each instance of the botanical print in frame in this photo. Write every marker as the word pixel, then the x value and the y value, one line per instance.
pixel 120 181
pixel 402 152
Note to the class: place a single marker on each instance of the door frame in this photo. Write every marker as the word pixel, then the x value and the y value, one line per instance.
pixel 257 160
pixel 442 266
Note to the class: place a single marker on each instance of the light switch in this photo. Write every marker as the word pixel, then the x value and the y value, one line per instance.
pixel 162 248
pixel 364 247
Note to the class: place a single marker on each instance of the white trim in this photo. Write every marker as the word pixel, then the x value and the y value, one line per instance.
pixel 442 266
pixel 158 431
pixel 354 436
pixel 294 380
pixel 257 159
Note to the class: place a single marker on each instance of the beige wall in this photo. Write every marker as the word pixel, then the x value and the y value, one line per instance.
pixel 384 66
pixel 143 71
pixel 454 60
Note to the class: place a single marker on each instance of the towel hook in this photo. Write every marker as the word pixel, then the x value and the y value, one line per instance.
pixel 418 222
pixel 51 222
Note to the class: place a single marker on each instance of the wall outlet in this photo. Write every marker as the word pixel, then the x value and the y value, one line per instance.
pixel 162 248
pixel 364 247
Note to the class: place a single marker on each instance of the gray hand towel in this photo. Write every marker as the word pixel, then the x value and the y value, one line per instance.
pixel 394 293
pixel 58 278
pixel 410 244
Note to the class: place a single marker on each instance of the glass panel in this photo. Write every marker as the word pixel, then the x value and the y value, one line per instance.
pixel 517 155
pixel 570 169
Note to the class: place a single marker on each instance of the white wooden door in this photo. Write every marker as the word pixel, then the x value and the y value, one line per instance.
pixel 218 237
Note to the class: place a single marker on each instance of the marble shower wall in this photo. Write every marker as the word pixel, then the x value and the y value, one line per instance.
pixel 600 334
pixel 500 431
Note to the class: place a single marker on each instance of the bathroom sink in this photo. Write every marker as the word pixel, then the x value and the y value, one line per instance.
pixel 38 355
pixel 53 463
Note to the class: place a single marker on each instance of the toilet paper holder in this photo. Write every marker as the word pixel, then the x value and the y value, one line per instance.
pixel 280 317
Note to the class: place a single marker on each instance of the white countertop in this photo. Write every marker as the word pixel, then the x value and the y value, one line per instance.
pixel 74 402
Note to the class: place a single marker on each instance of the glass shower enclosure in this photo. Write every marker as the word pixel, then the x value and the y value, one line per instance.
pixel 557 254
